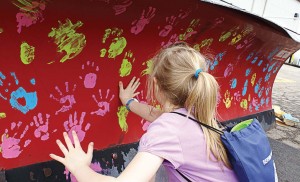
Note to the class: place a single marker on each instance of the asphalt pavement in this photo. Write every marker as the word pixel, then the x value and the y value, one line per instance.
pixel 285 140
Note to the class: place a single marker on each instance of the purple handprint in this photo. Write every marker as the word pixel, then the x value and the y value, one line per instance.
pixel 139 25
pixel 10 146
pixel 67 100
pixel 41 130
pixel 103 104
pixel 90 78
pixel 73 124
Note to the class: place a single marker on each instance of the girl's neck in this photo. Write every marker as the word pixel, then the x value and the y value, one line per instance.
pixel 168 107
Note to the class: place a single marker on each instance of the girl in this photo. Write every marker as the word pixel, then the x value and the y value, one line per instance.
pixel 179 82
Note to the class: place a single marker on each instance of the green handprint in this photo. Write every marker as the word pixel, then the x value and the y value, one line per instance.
pixel 26 53
pixel 68 40
pixel 122 115
pixel 126 65
pixel 117 44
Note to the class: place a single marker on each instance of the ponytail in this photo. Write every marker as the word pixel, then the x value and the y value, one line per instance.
pixel 202 102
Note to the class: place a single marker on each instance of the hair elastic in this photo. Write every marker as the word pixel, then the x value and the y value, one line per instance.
pixel 198 71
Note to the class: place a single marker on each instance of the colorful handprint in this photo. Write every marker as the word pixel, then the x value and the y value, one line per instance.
pixel 27 53
pixel 126 65
pixel 72 124
pixel 10 146
pixel 89 79
pixel 139 24
pixel 122 115
pixel 227 99
pixel 68 40
pixel 30 12
pixel 42 126
pixel 117 45
pixel 30 98
pixel 67 100
pixel 104 103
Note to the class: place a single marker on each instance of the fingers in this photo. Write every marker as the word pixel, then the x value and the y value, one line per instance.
pixel 136 84
pixel 135 94
pixel 68 141
pixel 121 87
pixel 131 82
pixel 76 140
pixel 62 147
pixel 90 149
pixel 57 158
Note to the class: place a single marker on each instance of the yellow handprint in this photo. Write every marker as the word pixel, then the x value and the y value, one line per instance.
pixel 228 99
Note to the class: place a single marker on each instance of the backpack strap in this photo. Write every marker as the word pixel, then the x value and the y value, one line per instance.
pixel 205 125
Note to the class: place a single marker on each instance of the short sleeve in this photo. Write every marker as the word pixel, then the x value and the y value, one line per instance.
pixel 159 141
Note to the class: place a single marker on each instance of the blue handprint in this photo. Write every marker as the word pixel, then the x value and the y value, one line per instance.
pixel 30 98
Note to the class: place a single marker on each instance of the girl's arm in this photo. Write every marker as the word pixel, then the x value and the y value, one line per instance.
pixel 141 169
pixel 145 111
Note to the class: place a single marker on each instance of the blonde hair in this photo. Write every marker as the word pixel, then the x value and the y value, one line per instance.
pixel 174 69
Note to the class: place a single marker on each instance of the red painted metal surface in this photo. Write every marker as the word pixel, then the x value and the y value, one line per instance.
pixel 61 61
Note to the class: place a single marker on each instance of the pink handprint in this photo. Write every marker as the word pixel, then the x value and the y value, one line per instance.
pixel 237 96
pixel 167 28
pixel 89 78
pixel 171 22
pixel 73 124
pixel 139 25
pixel 121 8
pixel 41 130
pixel 67 100
pixel 173 38
pixel 143 100
pixel 103 104
pixel 10 146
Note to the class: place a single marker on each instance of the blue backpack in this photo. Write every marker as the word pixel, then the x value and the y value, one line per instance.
pixel 248 150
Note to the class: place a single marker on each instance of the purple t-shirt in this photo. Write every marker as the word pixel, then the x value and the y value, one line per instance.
pixel 180 141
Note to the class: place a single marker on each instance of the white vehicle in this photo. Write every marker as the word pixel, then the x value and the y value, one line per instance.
pixel 295 59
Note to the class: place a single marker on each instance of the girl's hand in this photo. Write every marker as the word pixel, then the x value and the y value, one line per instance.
pixel 75 158
pixel 129 91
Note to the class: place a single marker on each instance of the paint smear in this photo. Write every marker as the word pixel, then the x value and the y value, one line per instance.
pixel 205 43
pixel 244 104
pixel 94 166
pixel 30 12
pixel 191 30
pixel 67 39
pixel 2 115
pixel 253 79
pixel 27 53
pixel 122 115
